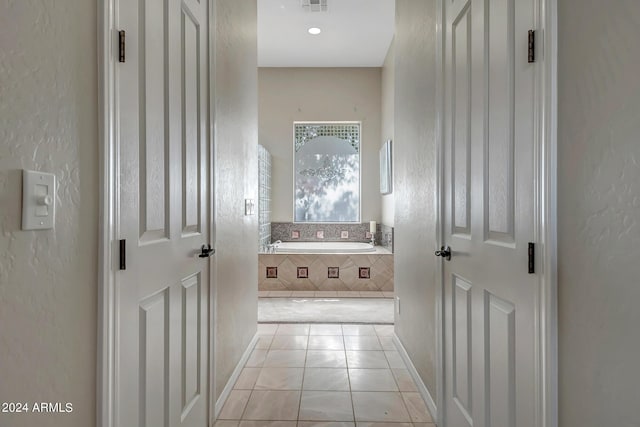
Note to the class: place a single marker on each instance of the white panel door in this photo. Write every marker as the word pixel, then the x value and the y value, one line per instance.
pixel 162 296
pixel 489 296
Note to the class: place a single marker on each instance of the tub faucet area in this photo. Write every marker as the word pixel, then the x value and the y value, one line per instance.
pixel 270 248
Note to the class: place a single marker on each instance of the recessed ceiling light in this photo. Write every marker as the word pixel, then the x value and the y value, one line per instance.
pixel 314 31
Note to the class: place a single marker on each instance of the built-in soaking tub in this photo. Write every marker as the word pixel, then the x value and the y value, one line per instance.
pixel 326 266
pixel 325 248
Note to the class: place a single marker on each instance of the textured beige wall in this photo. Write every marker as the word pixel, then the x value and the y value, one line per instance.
pixel 236 147
pixel 319 94
pixel 387 132
pixel 599 212
pixel 48 122
pixel 415 183
pixel 48 279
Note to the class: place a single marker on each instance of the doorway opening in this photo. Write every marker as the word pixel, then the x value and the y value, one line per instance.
pixel 326 230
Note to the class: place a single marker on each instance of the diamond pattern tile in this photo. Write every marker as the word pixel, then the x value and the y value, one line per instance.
pixel 352 274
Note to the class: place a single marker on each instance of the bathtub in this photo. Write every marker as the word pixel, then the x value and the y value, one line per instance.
pixel 326 266
pixel 325 248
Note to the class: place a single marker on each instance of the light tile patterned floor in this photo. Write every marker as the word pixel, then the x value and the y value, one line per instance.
pixel 325 376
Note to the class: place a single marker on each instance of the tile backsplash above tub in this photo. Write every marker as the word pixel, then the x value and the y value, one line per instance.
pixel 386 237
pixel 292 232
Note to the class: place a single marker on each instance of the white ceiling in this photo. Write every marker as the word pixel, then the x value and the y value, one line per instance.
pixel 355 33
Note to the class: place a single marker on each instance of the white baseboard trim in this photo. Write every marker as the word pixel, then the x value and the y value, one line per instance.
pixel 234 376
pixel 422 389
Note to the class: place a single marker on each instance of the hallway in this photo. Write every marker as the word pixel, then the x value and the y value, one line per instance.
pixel 75 330
pixel 313 375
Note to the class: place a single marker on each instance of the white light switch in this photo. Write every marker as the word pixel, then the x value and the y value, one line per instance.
pixel 38 200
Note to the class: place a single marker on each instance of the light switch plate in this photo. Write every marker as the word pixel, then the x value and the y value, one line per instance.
pixel 38 200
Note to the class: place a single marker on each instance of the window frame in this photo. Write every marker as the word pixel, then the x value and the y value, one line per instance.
pixel 293 164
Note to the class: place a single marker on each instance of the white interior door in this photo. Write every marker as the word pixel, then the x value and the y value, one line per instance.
pixel 162 296
pixel 489 297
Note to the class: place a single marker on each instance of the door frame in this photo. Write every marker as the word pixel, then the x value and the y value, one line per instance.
pixel 545 215
pixel 108 226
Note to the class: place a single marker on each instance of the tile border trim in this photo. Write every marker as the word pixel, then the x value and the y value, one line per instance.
pixel 333 272
pixel 272 272
pixel 364 272
pixel 302 272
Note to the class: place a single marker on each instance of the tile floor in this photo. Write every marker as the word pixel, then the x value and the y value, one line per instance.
pixel 330 375
pixel 326 310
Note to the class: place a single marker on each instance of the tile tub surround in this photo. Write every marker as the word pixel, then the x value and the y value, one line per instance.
pixel 386 237
pixel 331 375
pixel 325 272
pixel 292 232
pixel 264 196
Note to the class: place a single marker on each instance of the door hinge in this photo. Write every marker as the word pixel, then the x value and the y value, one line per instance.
pixel 121 46
pixel 532 46
pixel 532 258
pixel 123 254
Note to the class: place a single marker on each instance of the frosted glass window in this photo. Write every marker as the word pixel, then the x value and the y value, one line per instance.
pixel 327 172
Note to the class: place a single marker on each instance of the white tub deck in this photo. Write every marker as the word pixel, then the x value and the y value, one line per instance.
pixel 329 248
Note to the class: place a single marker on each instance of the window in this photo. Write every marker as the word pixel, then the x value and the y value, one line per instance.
pixel 327 172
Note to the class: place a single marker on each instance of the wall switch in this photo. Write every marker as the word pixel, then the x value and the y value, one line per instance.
pixel 249 207
pixel 398 305
pixel 38 200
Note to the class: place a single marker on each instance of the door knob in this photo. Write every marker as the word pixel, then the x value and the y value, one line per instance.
pixel 444 252
pixel 206 251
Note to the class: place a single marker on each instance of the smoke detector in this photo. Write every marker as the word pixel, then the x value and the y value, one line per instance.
pixel 314 5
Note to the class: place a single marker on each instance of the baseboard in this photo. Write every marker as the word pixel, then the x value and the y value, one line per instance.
pixel 422 389
pixel 234 376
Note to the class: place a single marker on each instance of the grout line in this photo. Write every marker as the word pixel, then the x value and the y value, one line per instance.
pixel 246 405
pixel 353 408
pixel 396 381
pixel 406 407
pixel 304 371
